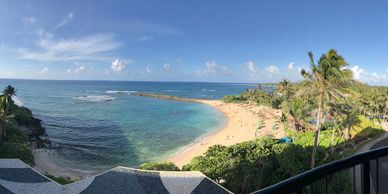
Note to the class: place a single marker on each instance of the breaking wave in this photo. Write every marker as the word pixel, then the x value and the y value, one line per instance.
pixel 95 98
pixel 119 91
pixel 17 101
pixel 208 90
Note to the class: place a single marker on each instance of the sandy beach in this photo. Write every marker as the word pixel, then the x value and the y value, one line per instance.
pixel 45 164
pixel 240 127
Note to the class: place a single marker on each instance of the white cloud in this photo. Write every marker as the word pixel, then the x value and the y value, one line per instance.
pixel 80 69
pixel 88 48
pixel 251 66
pixel 67 19
pixel 213 69
pixel 357 71
pixel 147 70
pixel 44 70
pixel 166 66
pixel 252 70
pixel 8 74
pixel 291 65
pixel 273 70
pixel 369 77
pixel 30 20
pixel 375 77
pixel 117 66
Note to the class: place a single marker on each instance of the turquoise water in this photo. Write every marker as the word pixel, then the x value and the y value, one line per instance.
pixel 96 125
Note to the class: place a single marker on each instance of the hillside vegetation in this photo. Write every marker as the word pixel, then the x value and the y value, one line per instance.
pixel 327 115
pixel 15 142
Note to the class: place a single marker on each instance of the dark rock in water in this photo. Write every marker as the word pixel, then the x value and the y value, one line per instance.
pixel 37 128
pixel 32 128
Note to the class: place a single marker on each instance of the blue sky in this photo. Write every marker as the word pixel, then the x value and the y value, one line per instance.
pixel 222 41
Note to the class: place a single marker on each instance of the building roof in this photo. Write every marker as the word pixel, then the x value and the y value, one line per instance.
pixel 17 177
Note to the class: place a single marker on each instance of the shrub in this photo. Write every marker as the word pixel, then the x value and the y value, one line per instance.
pixel 233 99
pixel 162 166
pixel 17 150
pixel 60 180
pixel 364 128
pixel 249 166
pixel 23 115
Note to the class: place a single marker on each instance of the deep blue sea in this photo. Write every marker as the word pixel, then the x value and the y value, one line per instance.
pixel 96 125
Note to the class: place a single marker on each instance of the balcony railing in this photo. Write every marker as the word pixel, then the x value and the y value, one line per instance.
pixel 362 172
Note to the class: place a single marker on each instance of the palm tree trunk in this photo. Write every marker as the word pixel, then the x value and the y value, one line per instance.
pixel 1 134
pixel 347 132
pixel 317 131
pixel 332 136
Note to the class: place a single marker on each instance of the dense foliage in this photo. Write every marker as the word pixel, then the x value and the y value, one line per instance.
pixel 327 115
pixel 161 166
pixel 252 165
pixel 13 141
pixel 328 94
pixel 60 180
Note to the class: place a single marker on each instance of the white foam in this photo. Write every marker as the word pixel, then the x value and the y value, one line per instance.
pixel 119 91
pixel 95 98
pixel 173 90
pixel 206 90
pixel 17 101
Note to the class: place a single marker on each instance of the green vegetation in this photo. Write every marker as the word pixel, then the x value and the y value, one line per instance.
pixel 328 99
pixel 13 141
pixel 328 115
pixel 60 180
pixel 161 166
pixel 249 166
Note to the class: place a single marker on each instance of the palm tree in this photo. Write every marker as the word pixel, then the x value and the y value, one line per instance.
pixel 4 116
pixel 284 87
pixel 385 112
pixel 9 92
pixel 298 112
pixel 5 104
pixel 326 78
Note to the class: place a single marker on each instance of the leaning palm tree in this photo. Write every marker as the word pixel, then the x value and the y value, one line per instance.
pixel 326 78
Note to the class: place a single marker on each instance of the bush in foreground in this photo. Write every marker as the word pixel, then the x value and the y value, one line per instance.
pixel 17 150
pixel 60 180
pixel 252 165
pixel 161 166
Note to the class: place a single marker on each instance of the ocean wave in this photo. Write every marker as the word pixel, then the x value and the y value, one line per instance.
pixel 119 91
pixel 208 90
pixel 173 90
pixel 93 91
pixel 95 98
pixel 17 101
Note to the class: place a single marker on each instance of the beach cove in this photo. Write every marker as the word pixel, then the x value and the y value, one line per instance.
pixel 240 126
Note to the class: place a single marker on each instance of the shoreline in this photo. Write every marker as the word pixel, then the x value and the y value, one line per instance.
pixel 46 164
pixel 240 126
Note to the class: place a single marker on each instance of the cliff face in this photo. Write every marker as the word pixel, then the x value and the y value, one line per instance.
pixel 31 127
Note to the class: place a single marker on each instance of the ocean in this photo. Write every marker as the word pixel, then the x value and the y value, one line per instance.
pixel 97 125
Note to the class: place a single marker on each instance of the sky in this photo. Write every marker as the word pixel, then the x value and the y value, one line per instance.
pixel 196 40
